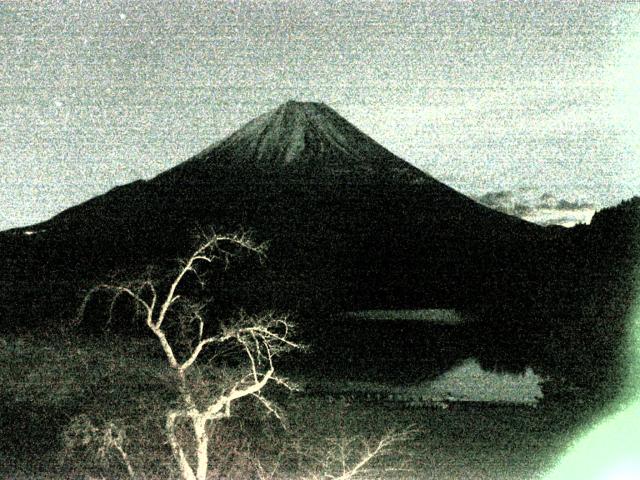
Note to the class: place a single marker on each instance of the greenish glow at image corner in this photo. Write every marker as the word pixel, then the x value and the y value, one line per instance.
pixel 610 450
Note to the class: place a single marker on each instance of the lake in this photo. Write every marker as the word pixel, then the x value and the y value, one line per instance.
pixel 413 356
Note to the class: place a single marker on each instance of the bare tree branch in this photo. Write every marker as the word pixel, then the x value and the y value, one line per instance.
pixel 261 338
pixel 353 459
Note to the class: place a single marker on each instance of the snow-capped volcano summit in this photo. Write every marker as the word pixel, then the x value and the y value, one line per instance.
pixel 308 141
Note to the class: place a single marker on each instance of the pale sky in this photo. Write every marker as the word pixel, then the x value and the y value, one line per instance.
pixel 525 97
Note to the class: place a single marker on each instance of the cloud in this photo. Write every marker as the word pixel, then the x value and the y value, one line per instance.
pixel 545 209
pixel 506 202
pixel 547 200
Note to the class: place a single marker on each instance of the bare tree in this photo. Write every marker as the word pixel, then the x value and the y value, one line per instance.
pixel 351 458
pixel 165 305
pixel 260 338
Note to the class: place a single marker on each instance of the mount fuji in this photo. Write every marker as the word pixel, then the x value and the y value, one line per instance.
pixel 350 226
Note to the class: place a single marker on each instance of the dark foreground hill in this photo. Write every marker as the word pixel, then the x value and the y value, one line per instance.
pixel 349 225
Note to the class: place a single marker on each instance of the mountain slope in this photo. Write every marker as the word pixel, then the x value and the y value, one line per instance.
pixel 296 146
pixel 306 142
pixel 349 224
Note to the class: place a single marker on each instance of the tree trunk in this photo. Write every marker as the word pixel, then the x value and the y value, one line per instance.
pixel 186 472
pixel 202 447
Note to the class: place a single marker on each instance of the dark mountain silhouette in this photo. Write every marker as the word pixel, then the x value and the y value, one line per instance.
pixel 349 224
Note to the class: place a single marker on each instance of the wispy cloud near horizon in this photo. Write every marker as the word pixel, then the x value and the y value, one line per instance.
pixel 545 209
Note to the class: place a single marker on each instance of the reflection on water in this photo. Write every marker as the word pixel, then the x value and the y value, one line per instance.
pixel 432 315
pixel 467 382
pixel 415 355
